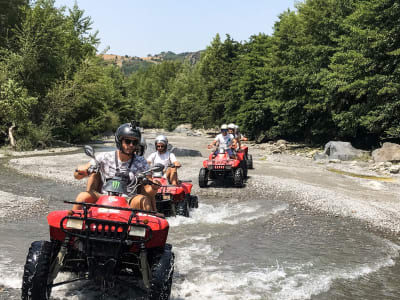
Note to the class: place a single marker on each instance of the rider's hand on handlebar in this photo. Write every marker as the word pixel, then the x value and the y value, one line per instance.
pixel 156 185
pixel 82 170
pixel 209 146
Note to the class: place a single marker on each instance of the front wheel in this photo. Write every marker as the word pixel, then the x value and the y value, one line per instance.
pixel 36 271
pixel 182 208
pixel 238 177
pixel 203 177
pixel 162 272
pixel 249 161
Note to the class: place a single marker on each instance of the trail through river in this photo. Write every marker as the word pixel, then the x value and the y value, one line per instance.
pixel 239 244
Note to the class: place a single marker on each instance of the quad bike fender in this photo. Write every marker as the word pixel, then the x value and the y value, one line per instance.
pixel 240 155
pixel 244 148
pixel 236 163
pixel 187 187
pixel 205 163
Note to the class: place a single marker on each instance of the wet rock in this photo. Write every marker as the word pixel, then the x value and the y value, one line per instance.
pixel 388 152
pixel 340 150
pixel 185 152
pixel 395 169
pixel 177 151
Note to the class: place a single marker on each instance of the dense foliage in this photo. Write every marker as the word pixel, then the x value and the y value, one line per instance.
pixel 330 70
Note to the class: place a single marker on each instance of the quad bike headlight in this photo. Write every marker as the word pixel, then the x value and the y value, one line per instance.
pixel 167 196
pixel 137 231
pixel 74 224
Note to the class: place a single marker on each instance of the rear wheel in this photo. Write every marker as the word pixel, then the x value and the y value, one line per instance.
pixel 203 177
pixel 36 271
pixel 162 272
pixel 249 161
pixel 182 208
pixel 194 202
pixel 238 177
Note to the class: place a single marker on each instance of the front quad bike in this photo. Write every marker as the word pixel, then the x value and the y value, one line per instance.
pixel 221 166
pixel 102 242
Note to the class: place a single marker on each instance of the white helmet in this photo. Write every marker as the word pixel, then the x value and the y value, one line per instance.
pixel 161 139
pixel 224 127
pixel 236 127
pixel 231 126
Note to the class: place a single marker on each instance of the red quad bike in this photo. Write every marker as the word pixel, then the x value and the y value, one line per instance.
pixel 222 166
pixel 174 200
pixel 104 242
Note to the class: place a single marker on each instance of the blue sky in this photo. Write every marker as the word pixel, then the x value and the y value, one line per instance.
pixel 139 28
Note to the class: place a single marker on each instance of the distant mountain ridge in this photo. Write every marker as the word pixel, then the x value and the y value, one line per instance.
pixel 130 64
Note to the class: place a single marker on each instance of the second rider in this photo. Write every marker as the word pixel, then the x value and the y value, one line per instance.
pixel 166 158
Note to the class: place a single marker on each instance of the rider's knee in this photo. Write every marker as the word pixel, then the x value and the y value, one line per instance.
pixel 141 202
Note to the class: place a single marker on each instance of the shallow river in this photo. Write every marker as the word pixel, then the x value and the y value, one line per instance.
pixel 241 247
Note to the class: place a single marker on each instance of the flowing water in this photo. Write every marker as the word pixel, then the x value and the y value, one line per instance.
pixel 234 247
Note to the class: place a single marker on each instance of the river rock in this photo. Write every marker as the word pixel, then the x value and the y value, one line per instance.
pixel 395 169
pixel 183 128
pixel 339 150
pixel 388 152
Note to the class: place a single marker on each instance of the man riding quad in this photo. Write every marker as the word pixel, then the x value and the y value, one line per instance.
pixel 224 140
pixel 166 158
pixel 123 160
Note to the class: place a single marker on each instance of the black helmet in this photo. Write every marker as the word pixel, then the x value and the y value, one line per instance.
pixel 126 130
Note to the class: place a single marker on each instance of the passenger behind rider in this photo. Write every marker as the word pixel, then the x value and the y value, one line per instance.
pixel 166 158
pixel 127 139
pixel 224 140
pixel 236 141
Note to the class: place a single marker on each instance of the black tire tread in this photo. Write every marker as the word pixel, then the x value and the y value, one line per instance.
pixel 162 272
pixel 36 271
pixel 203 177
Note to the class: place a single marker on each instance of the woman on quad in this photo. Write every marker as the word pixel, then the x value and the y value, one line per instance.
pixel 225 140
pixel 166 158
pixel 124 160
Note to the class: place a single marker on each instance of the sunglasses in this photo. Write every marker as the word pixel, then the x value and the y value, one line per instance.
pixel 160 146
pixel 131 142
pixel 224 130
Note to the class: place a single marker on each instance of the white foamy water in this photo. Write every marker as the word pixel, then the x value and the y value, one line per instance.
pixel 205 281
pixel 225 213
pixel 10 272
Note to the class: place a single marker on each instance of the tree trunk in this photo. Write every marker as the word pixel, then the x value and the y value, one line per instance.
pixel 11 136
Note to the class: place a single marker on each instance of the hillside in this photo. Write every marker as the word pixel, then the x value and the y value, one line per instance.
pixel 130 64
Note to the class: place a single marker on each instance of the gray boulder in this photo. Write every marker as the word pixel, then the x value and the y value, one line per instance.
pixel 339 150
pixel 183 128
pixel 388 152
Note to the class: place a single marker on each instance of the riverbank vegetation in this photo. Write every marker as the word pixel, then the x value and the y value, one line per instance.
pixel 330 70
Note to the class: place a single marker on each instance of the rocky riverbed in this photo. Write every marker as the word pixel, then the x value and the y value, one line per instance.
pixel 299 229
pixel 358 189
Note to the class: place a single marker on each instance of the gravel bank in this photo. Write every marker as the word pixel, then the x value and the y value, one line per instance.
pixel 297 178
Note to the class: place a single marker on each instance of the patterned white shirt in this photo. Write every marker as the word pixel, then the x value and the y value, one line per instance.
pixel 108 167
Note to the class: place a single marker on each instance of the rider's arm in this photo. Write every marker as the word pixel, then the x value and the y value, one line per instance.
pixel 213 143
pixel 173 160
pixel 82 171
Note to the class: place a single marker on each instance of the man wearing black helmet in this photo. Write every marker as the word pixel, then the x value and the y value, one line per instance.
pixel 127 140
